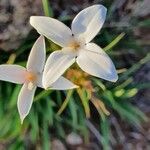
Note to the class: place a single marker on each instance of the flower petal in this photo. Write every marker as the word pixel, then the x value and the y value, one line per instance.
pixel 62 84
pixel 12 73
pixel 36 60
pixel 96 62
pixel 25 100
pixel 39 82
pixel 89 22
pixel 52 29
pixel 57 63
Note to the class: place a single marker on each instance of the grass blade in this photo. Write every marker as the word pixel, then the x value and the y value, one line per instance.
pixel 64 105
pixel 47 9
pixel 114 42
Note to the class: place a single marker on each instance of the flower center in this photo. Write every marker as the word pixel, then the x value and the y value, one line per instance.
pixel 31 78
pixel 74 45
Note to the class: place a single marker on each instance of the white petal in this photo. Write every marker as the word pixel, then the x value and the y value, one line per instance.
pixel 12 73
pixel 36 60
pixel 39 80
pixel 52 29
pixel 57 63
pixel 25 100
pixel 89 22
pixel 96 62
pixel 62 84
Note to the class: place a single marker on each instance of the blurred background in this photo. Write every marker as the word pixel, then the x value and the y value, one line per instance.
pixel 100 114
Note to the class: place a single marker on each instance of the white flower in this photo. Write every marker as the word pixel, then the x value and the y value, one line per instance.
pixel 76 45
pixel 31 77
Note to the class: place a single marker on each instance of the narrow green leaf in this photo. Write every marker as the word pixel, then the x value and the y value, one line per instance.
pixel 114 42
pixel 47 9
pixel 14 97
pixel 33 119
pixel 85 101
pixel 136 111
pixel 135 67
pixel 42 94
pixel 105 133
pixel 124 113
pixel 45 135
pixel 73 110
pixel 64 105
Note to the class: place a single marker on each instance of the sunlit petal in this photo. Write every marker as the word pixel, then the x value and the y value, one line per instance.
pixel 96 62
pixel 12 73
pixel 25 100
pixel 62 84
pixel 52 29
pixel 36 60
pixel 57 63
pixel 89 22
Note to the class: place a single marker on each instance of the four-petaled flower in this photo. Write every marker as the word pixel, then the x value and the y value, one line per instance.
pixel 76 45
pixel 31 77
